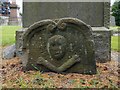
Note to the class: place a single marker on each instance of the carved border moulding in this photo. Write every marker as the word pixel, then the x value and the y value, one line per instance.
pixel 60 45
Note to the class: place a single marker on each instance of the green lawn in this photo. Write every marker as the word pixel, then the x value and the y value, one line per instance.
pixel 114 28
pixel 114 43
pixel 8 34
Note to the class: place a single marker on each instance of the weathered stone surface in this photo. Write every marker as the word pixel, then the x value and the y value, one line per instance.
pixel 61 45
pixel 93 13
pixel 19 42
pixel 102 38
pixel 9 52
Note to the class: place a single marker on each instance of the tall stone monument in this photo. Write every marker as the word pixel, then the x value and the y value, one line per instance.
pixel 13 18
pixel 95 14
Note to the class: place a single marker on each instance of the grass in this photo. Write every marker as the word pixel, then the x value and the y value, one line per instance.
pixel 8 37
pixel 114 43
pixel 8 34
pixel 114 28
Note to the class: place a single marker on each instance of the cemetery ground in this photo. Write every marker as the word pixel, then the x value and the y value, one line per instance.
pixel 14 77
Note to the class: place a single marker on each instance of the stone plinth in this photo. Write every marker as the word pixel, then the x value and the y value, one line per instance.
pixel 102 38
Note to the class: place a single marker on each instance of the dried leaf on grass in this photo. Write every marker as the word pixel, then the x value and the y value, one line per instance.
pixel 14 77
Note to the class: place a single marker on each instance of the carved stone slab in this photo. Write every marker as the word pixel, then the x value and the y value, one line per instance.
pixel 61 45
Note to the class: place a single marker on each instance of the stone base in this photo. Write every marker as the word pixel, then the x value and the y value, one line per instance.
pixel 19 41
pixel 102 38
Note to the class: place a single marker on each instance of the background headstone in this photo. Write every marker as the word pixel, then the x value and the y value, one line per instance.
pixel 112 21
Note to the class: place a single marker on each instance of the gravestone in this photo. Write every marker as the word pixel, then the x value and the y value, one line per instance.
pixel 61 45
pixel 112 21
pixel 95 14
